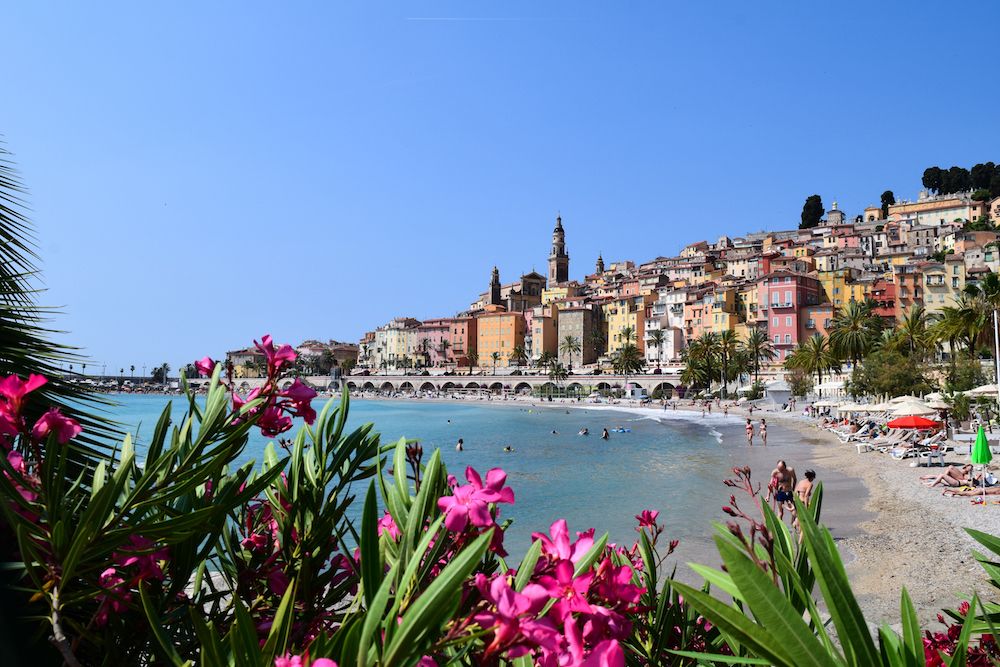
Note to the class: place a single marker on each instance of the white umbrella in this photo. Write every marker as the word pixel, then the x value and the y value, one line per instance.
pixel 938 404
pixel 936 396
pixel 826 403
pixel 912 409
pixel 905 399
pixel 985 390
pixel 850 407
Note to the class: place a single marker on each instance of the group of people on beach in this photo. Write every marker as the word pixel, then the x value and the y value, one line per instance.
pixel 761 432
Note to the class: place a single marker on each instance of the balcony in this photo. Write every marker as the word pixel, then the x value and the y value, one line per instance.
pixel 786 304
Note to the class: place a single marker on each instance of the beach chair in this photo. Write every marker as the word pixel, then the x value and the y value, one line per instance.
pixel 861 433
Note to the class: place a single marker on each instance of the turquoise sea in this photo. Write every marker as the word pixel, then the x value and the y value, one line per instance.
pixel 674 464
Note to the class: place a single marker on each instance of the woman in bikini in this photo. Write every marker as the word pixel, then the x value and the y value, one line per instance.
pixel 763 432
pixel 749 433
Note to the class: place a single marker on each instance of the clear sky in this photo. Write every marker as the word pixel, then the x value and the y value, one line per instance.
pixel 204 173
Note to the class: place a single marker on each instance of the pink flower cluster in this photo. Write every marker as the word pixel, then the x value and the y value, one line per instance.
pixel 587 616
pixel 279 406
pixel 983 653
pixel 302 661
pixel 137 562
pixel 12 393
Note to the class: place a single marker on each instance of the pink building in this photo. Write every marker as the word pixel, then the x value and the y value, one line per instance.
pixel 784 294
pixel 429 337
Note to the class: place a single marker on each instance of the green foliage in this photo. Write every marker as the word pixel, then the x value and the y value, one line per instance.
pixel 800 383
pixel 888 372
pixel 888 199
pixel 812 212
pixel 965 374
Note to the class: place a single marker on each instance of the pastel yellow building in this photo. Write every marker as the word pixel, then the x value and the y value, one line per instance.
pixel 944 283
pixel 840 288
pixel 562 291
pixel 720 313
pixel 625 312
pixel 500 332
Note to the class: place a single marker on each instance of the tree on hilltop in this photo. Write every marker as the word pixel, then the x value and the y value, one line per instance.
pixel 982 174
pixel 932 179
pixel 888 199
pixel 812 212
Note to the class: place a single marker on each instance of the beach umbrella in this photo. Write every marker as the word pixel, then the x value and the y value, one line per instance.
pixel 981 455
pixel 911 408
pixel 938 404
pixel 936 396
pixel 904 399
pixel 984 390
pixel 913 422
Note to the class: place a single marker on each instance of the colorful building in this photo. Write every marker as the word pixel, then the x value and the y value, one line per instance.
pixel 786 293
pixel 498 332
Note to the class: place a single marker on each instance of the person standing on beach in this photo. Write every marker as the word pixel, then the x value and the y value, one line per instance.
pixel 782 483
pixel 763 432
pixel 749 433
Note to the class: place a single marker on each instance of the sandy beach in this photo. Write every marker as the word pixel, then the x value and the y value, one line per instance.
pixel 893 531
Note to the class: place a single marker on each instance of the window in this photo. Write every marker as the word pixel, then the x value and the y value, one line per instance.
pixel 788 297
pixel 788 279
pixel 836 290
pixel 954 282
pixel 777 339
pixel 774 321
pixel 788 320
pixel 788 338
pixel 826 323
pixel 775 298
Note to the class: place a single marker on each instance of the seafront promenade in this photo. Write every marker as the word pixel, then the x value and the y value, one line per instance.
pixel 666 383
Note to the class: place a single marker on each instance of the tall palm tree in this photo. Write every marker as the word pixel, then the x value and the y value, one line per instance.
pixel 628 360
pixel 571 345
pixel 854 330
pixel 443 350
pixel 131 369
pixel 656 338
pixel 912 336
pixel 557 373
pixel 495 357
pixel 473 358
pixel 707 349
pixel 545 359
pixel 759 348
pixel 627 335
pixel 814 356
pixel 597 340
pixel 518 355
pixel 728 347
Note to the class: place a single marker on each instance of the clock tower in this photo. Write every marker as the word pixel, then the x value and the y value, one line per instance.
pixel 558 260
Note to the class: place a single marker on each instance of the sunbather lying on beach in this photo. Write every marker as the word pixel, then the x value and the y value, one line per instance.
pixel 953 476
pixel 974 491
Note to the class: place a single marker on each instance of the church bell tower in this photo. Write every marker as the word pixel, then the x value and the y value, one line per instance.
pixel 558 260
pixel 495 287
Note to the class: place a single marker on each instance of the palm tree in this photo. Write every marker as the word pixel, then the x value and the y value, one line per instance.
pixel 443 350
pixel 628 360
pixel 545 359
pixel 656 338
pixel 759 348
pixel 473 358
pixel 518 355
pixel 814 356
pixel 912 335
pixel 854 330
pixel 706 351
pixel 557 372
pixel 131 370
pixel 495 357
pixel 728 347
pixel 627 335
pixel 571 345
pixel 597 340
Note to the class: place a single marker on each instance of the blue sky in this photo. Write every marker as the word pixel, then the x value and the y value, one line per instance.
pixel 204 173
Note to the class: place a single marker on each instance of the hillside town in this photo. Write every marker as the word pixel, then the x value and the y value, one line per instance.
pixel 788 283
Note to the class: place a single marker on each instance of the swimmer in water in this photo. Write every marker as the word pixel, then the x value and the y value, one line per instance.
pixel 584 431
pixel 555 432
pixel 604 435
pixel 508 449
pixel 460 446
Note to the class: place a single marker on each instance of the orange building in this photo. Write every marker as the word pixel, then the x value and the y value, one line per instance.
pixel 464 340
pixel 500 332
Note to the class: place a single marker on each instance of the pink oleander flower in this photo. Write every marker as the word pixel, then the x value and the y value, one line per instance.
pixel 277 581
pixel 569 591
pixel 556 545
pixel 471 501
pixel 273 421
pixel 16 462
pixel 276 359
pixel 143 553
pixel 115 600
pixel 205 366
pixel 614 584
pixel 13 389
pixel 606 653
pixel 511 617
pixel 647 519
pixel 388 525
pixel 9 423
pixel 299 661
pixel 53 421
pixel 301 397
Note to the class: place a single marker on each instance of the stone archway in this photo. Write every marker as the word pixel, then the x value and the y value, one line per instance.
pixel 448 386
pixel 522 388
pixel 574 388
pixel 662 390
pixel 496 387
pixel 352 386
pixel 427 386
pixel 472 385
pixel 386 386
pixel 368 386
pixel 406 386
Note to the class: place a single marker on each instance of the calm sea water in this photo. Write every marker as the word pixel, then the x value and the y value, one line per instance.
pixel 674 465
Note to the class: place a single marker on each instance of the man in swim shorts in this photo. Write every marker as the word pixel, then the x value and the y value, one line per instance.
pixel 782 482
